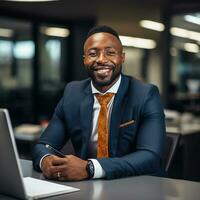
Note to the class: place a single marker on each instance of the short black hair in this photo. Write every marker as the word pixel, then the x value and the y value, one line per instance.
pixel 102 29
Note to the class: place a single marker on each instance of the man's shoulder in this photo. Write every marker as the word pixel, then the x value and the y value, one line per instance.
pixel 138 85
pixel 138 91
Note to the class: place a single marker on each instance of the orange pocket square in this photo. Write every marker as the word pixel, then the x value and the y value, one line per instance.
pixel 126 124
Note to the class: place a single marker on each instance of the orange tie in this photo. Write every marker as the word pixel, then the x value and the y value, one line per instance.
pixel 102 148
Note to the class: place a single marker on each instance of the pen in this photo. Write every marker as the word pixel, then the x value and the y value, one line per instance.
pixel 55 151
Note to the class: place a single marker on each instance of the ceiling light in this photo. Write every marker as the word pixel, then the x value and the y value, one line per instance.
pixel 55 31
pixel 179 32
pixel 137 42
pixel 191 47
pixel 192 19
pixel 184 33
pixel 4 32
pixel 156 26
pixel 193 35
pixel 31 0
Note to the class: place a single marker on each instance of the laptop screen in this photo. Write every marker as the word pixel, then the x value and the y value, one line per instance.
pixel 10 174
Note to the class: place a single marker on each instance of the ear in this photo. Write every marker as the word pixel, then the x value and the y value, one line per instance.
pixel 84 59
pixel 123 57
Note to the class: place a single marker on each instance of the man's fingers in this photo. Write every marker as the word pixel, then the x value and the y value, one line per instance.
pixel 59 161
pixel 58 168
pixel 59 176
pixel 51 165
pixel 68 168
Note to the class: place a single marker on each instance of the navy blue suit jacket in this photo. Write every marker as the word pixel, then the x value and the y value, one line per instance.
pixel 133 150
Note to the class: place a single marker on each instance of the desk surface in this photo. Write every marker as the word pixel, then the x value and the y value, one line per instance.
pixel 133 188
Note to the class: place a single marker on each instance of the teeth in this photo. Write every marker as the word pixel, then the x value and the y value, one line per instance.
pixel 103 70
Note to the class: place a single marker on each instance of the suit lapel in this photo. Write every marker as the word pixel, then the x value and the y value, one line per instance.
pixel 86 110
pixel 119 104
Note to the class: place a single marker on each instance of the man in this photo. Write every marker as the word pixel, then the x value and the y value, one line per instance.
pixel 119 138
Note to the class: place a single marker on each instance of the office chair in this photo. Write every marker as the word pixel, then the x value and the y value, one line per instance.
pixel 172 141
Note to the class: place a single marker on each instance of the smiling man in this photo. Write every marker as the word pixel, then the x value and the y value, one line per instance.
pixel 115 122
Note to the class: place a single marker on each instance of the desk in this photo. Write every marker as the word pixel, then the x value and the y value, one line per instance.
pixel 132 188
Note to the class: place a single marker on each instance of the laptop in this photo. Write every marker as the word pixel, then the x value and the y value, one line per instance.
pixel 12 182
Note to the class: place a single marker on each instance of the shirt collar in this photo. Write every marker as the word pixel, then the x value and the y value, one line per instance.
pixel 113 89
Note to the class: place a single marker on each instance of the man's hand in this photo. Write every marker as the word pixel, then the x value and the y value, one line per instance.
pixel 68 168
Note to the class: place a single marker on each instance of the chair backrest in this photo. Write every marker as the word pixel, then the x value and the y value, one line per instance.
pixel 172 141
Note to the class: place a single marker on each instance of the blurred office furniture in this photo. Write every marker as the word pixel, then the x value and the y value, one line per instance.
pixel 26 136
pixel 186 102
pixel 186 162
pixel 172 118
pixel 28 132
pixel 172 141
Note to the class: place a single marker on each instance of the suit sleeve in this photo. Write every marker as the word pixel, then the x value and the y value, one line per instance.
pixel 54 135
pixel 149 145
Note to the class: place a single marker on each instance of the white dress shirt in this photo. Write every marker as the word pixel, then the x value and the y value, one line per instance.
pixel 98 170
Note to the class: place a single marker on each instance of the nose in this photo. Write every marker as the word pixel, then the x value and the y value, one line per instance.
pixel 101 58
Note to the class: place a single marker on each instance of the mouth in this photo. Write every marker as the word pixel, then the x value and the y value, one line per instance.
pixel 100 68
pixel 103 71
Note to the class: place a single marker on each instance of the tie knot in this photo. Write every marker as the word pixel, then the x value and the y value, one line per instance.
pixel 104 99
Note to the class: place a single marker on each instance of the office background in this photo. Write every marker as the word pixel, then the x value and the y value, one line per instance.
pixel 37 59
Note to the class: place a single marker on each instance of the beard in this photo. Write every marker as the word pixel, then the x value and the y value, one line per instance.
pixel 103 75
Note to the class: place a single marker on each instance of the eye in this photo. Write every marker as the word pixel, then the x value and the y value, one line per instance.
pixel 92 54
pixel 111 52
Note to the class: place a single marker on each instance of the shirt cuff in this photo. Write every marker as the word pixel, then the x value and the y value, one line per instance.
pixel 40 164
pixel 98 170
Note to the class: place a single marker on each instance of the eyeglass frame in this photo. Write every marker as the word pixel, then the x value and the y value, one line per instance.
pixel 104 51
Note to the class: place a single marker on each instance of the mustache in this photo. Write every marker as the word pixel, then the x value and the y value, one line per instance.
pixel 99 67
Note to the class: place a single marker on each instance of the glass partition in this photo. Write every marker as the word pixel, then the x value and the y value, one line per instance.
pixel 52 41
pixel 185 69
pixel 16 56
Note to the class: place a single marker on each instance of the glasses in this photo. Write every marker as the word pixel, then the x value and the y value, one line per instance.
pixel 109 53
